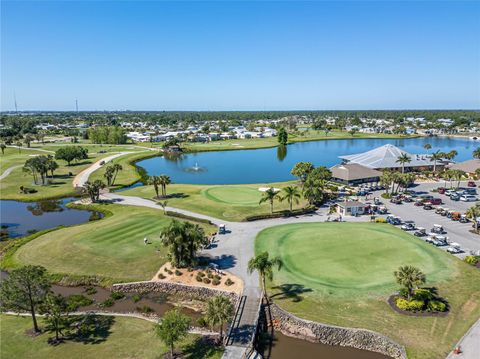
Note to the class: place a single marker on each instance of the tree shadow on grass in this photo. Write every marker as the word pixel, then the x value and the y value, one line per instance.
pixel 290 291
pixel 200 348
pixel 90 329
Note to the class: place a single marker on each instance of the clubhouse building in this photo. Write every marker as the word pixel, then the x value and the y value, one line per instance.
pixel 353 174
pixel 386 156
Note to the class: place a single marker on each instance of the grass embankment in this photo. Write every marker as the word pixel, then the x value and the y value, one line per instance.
pixel 61 185
pixel 111 248
pixel 342 274
pixel 125 338
pixel 227 202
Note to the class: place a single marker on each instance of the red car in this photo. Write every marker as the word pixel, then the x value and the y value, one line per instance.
pixel 471 184
pixel 441 190
pixel 435 201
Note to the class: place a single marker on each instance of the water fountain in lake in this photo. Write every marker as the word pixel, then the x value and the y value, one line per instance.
pixel 195 169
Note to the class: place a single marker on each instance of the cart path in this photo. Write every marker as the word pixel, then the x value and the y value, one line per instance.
pixel 82 177
pixel 469 344
pixel 31 149
pixel 8 171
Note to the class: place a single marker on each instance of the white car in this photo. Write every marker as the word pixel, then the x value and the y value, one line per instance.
pixel 454 250
pixel 468 198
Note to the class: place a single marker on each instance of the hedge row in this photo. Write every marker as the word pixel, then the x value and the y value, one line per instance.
pixel 281 214
pixel 188 218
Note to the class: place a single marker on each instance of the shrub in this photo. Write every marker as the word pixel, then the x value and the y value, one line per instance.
pixel 210 275
pixel 386 195
pixel 202 322
pixel 437 306
pixel 161 276
pixel 116 295
pixel 216 276
pixel 423 295
pixel 169 272
pixel 166 269
pixel 91 290
pixel 229 282
pixel 472 260
pixel 215 281
pixel 201 274
pixel 106 303
pixel 412 305
pixel 380 220
pixel 177 272
pixel 145 309
pixel 77 300
pixel 199 278
pixel 190 269
pixel 206 280
pixel 136 298
pixel 403 292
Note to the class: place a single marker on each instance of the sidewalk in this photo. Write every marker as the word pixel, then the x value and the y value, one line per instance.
pixel 469 344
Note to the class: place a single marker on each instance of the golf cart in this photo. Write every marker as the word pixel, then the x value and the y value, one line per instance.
pixel 454 248
pixel 440 241
pixel 222 229
pixel 456 216
pixel 408 226
pixel 428 206
pixel 437 229
pixel 382 210
pixel 407 198
pixel 396 200
pixel 419 202
pixel 420 232
pixel 463 219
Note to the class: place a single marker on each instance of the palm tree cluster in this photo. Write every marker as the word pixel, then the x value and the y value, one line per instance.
pixel 184 240
pixel 39 166
pixel 410 278
pixel 160 182
pixel 453 175
pixel 111 173
pixel 394 180
pixel 92 189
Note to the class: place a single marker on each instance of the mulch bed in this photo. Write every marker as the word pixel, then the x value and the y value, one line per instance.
pixel 391 302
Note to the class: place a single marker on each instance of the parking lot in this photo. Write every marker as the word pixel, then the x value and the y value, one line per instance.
pixel 456 231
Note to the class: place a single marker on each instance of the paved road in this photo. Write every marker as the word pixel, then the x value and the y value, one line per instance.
pixel 82 177
pixel 8 171
pixel 469 344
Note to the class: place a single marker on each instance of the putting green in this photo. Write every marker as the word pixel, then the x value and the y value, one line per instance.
pixel 347 258
pixel 236 195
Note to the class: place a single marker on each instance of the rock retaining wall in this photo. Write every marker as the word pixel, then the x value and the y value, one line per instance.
pixel 293 326
pixel 177 289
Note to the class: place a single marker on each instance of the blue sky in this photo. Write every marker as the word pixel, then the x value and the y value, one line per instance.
pixel 240 55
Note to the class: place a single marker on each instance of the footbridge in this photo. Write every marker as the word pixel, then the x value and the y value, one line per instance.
pixel 239 343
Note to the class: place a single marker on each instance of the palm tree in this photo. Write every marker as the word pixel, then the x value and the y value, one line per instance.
pixel 219 311
pixel 457 175
pixel 164 181
pixel 155 181
pixel 476 153
pixel 473 213
pixel 410 278
pixel 19 145
pixel 264 266
pixel 2 147
pixel 427 146
pixel 163 204
pixel 291 194
pixel 92 189
pixel 269 196
pixel 116 167
pixel 435 157
pixel 402 159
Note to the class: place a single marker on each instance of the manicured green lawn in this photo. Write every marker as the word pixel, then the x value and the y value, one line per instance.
pixel 62 181
pixel 125 338
pixel 112 247
pixel 342 274
pixel 230 202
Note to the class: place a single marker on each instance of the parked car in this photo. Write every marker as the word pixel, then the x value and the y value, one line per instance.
pixel 468 198
pixel 408 226
pixel 440 241
pixel 441 190
pixel 437 229
pixel 463 219
pixel 222 229
pixel 471 191
pixel 471 184
pixel 419 202
pixel 426 197
pixel 408 198
pixel 396 200
pixel 435 201
pixel 455 196
pixel 439 210
pixel 420 232
pixel 449 192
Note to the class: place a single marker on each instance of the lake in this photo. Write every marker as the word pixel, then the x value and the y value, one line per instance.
pixel 274 164
pixel 21 218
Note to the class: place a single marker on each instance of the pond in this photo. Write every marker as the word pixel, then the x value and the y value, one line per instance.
pixel 274 164
pixel 22 218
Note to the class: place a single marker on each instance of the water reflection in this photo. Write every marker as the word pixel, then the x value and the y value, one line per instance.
pixel 281 152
